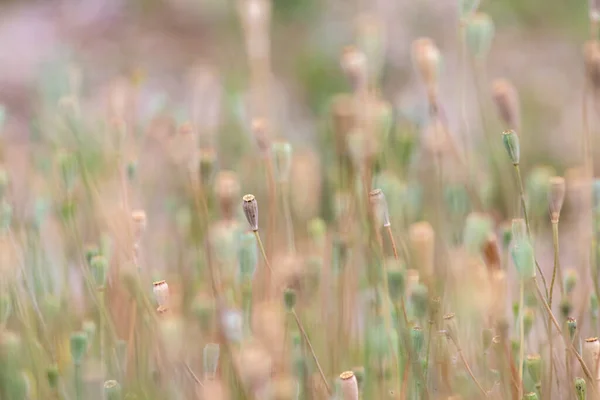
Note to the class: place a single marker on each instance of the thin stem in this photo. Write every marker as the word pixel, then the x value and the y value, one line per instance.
pixel 272 189
pixel 524 207
pixel 428 349
pixel 312 351
pixel 470 371
pixel 78 380
pixel 287 214
pixel 267 277
pixel 521 337
pixel 391 236
pixel 554 271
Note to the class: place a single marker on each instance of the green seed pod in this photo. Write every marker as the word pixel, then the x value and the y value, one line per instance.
pixel 417 339
pixel 207 165
pixel 528 319
pixel 518 229
pixel 52 375
pixel 112 390
pixel 566 307
pixel 479 34
pixel 204 312
pixel 419 300
pixel 580 388
pixel 79 343
pixel 91 250
pixel 511 144
pixel 247 256
pixel 533 363
pixel 289 298
pixel 571 327
pixel 530 396
pixel 317 230
pixel 477 230
pixel 282 160
pixel 210 357
pixel 522 254
pixel 457 200
pixel 99 268
pixel 467 7
pixel 571 279
pixel 132 170
pixel 396 281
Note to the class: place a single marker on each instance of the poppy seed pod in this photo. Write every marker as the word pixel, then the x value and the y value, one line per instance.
pixel 591 352
pixel 79 345
pixel 427 59
pixel 507 102
pixel 479 34
pixel 112 390
pixel 580 388
pixel 161 294
pixel 511 144
pixel 467 7
pixel 518 229
pixel 250 207
pixel 354 64
pixel 522 254
pixel 556 196
pixel 380 208
pixel 349 385
pixel 571 327
pixel 533 363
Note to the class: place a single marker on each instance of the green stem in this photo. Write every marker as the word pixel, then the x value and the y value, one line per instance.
pixel 524 207
pixel 521 337
pixel 287 212
pixel 550 297
pixel 78 380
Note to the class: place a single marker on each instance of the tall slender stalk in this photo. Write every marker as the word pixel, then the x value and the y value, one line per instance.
pixel 521 336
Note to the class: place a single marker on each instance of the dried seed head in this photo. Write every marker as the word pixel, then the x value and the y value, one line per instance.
pixel 556 196
pixel 422 245
pixel 591 56
pixel 511 144
pixel 250 207
pixel 349 386
pixel 282 160
pixel 354 64
pixel 210 357
pixel 427 60
pixel 507 102
pixel 479 34
pixel 161 295
pixel 227 190
pixel 380 208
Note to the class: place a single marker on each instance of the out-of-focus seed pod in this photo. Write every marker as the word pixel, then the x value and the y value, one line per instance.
pixel 556 196
pixel 530 396
pixel 467 7
pixel 523 257
pixel 354 64
pixel 247 256
pixel 52 375
pixel 479 34
pixel 571 327
pixel 566 307
pixel 68 168
pixel 227 191
pixel 207 165
pixel 420 300
pixel 261 134
pixel 528 319
pixel 139 224
pixel 79 345
pixel 507 102
pixel 511 144
pixel 518 229
pixel 349 386
pixel 371 40
pixel 571 279
pixel 250 207
pixel 99 269
pixel 396 280
pixel 417 339
pixel 422 246
pixel 478 227
pixel 427 60
pixel 533 363
pixel 161 295
pixel 289 298
pixel 537 186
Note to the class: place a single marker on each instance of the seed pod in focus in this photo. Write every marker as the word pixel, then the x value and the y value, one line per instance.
pixel 507 102
pixel 250 207
pixel 479 34
pixel 349 386
pixel 511 144
pixel 556 196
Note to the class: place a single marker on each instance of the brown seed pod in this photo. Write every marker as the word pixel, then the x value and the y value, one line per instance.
pixel 250 207
pixel 507 102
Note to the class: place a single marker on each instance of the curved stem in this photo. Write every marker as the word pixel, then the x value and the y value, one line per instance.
pixel 391 236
